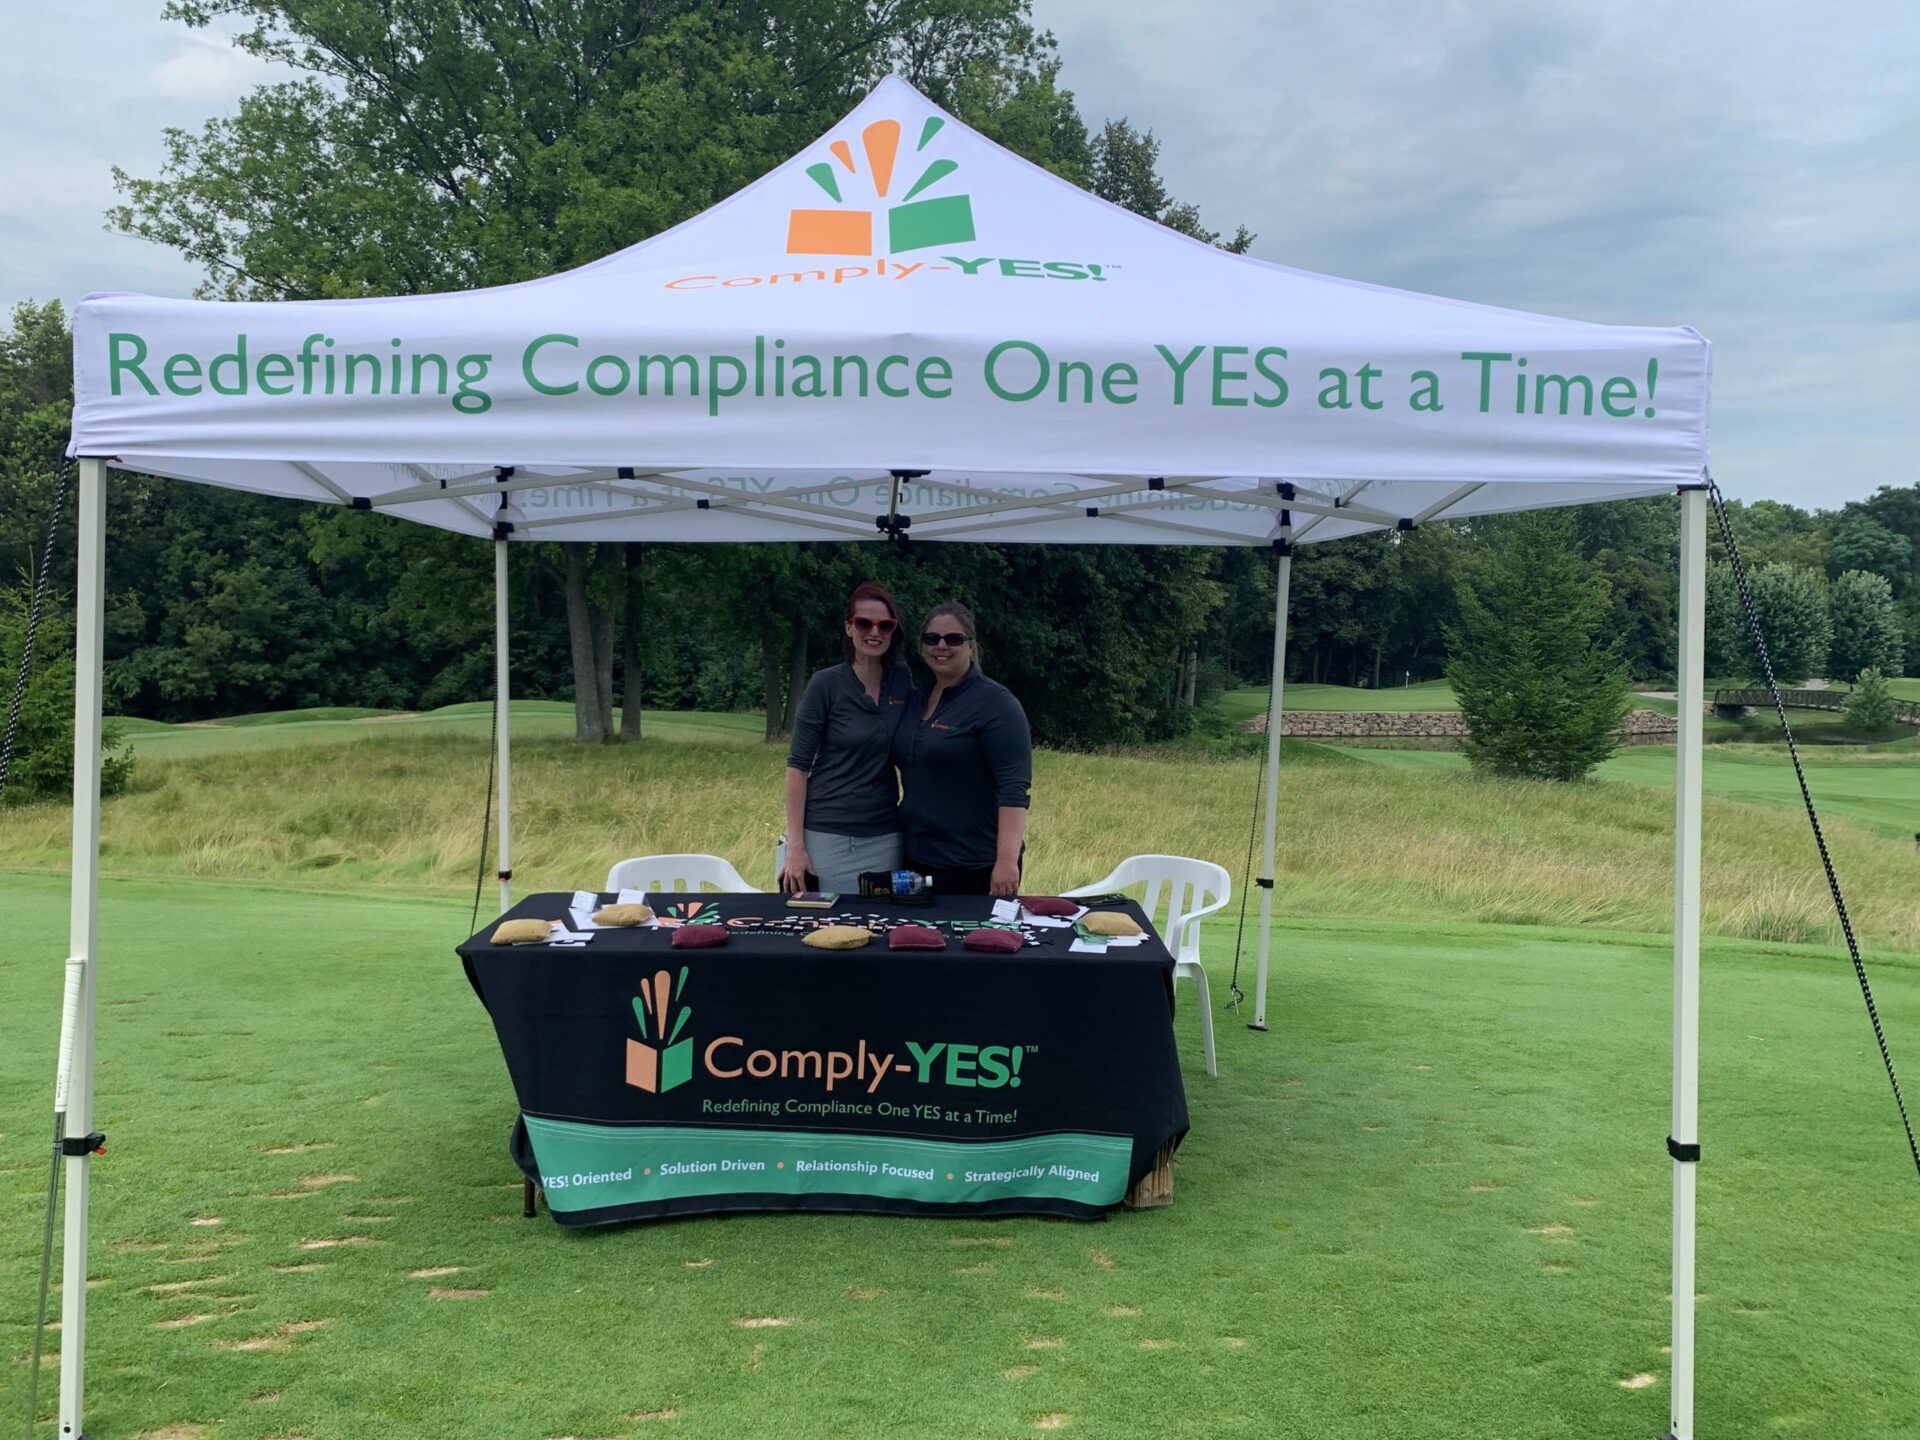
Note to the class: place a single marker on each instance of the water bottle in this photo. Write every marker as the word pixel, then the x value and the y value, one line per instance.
pixel 909 882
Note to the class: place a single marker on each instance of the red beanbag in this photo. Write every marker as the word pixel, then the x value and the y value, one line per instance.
pixel 997 942
pixel 915 937
pixel 1051 905
pixel 698 937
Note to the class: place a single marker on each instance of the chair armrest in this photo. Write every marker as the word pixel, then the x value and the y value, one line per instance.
pixel 1098 887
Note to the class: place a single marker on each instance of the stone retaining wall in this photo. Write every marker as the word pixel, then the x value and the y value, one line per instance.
pixel 1338 724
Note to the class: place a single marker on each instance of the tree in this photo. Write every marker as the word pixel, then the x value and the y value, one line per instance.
pixel 42 763
pixel 1124 167
pixel 1860 542
pixel 1867 626
pixel 1792 607
pixel 1870 705
pixel 1542 694
pixel 430 145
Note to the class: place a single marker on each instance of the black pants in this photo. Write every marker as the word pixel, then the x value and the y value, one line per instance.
pixel 952 880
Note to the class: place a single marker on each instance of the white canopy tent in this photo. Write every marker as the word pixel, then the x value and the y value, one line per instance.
pixel 904 329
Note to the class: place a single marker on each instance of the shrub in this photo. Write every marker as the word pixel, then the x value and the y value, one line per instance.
pixel 1870 706
pixel 1543 696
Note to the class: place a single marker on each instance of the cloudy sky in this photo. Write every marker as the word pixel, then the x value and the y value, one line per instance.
pixel 1748 167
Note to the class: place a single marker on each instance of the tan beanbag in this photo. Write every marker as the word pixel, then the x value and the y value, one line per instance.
pixel 838 937
pixel 521 932
pixel 622 915
pixel 1110 922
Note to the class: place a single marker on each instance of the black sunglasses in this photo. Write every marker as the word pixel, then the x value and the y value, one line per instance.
pixel 951 638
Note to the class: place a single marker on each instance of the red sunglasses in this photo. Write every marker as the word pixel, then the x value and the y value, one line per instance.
pixel 882 627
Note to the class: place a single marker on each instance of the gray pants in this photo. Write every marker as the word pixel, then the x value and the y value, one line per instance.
pixel 839 860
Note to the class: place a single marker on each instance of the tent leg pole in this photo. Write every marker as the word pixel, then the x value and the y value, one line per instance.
pixel 1691 696
pixel 74 1086
pixel 502 694
pixel 1276 707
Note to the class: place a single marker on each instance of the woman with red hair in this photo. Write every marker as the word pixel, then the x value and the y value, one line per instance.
pixel 843 801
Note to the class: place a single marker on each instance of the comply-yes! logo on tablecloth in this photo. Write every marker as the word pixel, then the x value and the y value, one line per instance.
pixel 660 1059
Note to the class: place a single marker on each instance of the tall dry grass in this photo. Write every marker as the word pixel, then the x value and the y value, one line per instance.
pixel 396 812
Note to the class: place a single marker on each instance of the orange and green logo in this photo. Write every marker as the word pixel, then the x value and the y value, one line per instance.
pixel 659 1060
pixel 911 225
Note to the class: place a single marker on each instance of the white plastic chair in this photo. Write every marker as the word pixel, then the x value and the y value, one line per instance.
pixel 658 874
pixel 1191 889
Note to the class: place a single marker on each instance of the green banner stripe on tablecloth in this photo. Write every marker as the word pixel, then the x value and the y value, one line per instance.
pixel 589 1167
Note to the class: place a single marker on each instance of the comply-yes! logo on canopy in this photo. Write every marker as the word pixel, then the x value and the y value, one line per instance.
pixel 913 224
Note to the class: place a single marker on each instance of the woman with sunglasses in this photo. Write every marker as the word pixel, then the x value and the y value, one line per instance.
pixel 842 800
pixel 966 766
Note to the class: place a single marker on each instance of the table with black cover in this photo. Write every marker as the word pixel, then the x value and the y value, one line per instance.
pixel 765 1074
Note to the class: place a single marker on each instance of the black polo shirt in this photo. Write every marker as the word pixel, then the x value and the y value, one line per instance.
pixel 957 769
pixel 842 741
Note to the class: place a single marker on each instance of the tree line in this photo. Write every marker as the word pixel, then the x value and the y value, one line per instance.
pixel 427 145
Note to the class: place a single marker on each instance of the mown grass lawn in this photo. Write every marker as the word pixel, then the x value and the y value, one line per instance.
pixel 1431 1202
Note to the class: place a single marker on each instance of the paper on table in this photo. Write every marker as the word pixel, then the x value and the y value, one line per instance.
pixel 1087 947
pixel 631 897
pixel 1050 922
pixel 585 902
pixel 1005 911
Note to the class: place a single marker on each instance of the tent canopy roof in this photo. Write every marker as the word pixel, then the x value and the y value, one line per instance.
pixel 902 296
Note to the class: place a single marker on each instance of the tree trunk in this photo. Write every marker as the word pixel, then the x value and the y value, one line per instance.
pixel 1378 646
pixel 796 677
pixel 1190 681
pixel 588 721
pixel 603 670
pixel 630 676
pixel 770 680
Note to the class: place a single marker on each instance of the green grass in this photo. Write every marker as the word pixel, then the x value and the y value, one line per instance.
pixel 396 805
pixel 1876 786
pixel 1431 1202
pixel 1249 701
pixel 531 719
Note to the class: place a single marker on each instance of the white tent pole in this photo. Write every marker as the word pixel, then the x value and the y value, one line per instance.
pixel 74 1084
pixel 1684 1140
pixel 1276 707
pixel 502 693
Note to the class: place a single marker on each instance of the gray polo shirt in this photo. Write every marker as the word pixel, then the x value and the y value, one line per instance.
pixel 842 742
pixel 958 769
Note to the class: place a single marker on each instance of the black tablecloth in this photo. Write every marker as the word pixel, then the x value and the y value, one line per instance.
pixel 769 1075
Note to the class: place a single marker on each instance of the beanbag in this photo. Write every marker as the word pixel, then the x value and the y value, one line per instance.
pixel 997 942
pixel 622 915
pixel 522 932
pixel 838 937
pixel 916 937
pixel 1049 905
pixel 1110 922
pixel 697 937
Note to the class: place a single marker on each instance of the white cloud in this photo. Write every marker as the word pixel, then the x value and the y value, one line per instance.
pixel 208 69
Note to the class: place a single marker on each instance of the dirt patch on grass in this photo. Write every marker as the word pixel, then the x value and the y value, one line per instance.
pixel 174 1287
pixel 307 1269
pixel 864 1292
pixel 1481 1187
pixel 1156 1344
pixel 281 1337
pixel 181 1322
pixel 1552 1230
pixel 1019 1372
pixel 1101 1258
pixel 1000 1240
pixel 983 1267
pixel 1123 1312
pixel 1045 1292
pixel 1052 1420
pixel 434 1272
pixel 320 1182
pixel 299 1149
pixel 1639 1382
pixel 1233 1342
pixel 761 1322
pixel 755 1357
pixel 1042 1342
pixel 328 1244
pixel 643 1415
pixel 702 1263
pixel 174 1432
pixel 206 1220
